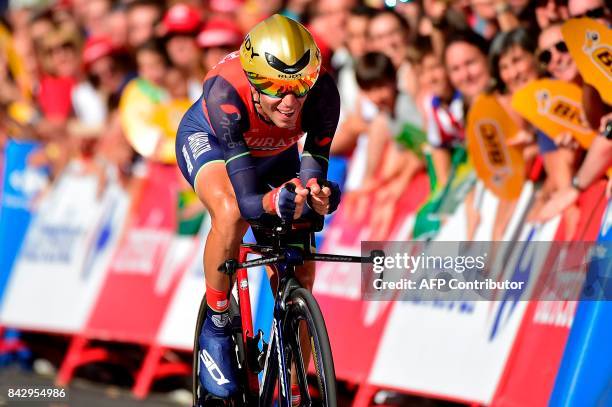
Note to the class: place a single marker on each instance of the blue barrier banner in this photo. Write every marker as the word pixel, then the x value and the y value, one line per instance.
pixel 585 375
pixel 20 185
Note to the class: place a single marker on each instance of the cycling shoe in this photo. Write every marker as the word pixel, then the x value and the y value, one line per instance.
pixel 218 371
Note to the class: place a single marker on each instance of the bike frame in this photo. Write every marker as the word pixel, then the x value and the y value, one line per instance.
pixel 283 259
pixel 284 264
pixel 276 344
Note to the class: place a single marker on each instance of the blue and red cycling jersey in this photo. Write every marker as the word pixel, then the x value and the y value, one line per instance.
pixel 224 126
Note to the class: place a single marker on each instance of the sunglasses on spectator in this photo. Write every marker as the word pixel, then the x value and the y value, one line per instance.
pixel 546 55
pixel 595 13
pixel 62 46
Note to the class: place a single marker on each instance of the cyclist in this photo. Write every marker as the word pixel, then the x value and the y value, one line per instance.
pixel 237 146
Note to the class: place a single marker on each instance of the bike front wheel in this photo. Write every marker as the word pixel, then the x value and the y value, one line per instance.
pixel 304 316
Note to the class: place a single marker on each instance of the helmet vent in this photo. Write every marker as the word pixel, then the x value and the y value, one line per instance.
pixel 288 69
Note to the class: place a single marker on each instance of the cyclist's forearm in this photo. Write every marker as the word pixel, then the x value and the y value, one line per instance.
pixel 313 166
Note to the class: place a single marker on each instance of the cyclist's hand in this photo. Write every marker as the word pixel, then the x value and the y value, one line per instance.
pixel 324 195
pixel 286 201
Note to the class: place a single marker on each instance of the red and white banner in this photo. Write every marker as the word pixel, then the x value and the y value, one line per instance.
pixel 453 350
pixel 65 255
pixel 146 267
pixel 532 367
pixel 338 287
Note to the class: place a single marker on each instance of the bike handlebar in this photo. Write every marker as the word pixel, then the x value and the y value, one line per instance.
pixel 231 266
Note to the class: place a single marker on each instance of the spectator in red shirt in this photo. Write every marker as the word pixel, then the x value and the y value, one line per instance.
pixel 61 50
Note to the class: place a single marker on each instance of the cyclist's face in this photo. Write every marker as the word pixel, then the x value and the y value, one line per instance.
pixel 283 112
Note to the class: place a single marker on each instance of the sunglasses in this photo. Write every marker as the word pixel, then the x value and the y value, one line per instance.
pixel 546 55
pixel 598 12
pixel 280 88
pixel 62 46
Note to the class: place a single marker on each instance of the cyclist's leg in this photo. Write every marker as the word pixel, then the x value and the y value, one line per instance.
pixel 201 161
pixel 214 189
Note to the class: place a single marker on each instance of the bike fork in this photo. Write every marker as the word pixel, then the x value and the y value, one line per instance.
pixel 276 369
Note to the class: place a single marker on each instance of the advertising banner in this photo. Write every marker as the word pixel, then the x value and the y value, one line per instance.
pixel 21 184
pixel 146 267
pixel 454 350
pixel 338 287
pixel 584 376
pixel 533 364
pixel 65 255
pixel 179 322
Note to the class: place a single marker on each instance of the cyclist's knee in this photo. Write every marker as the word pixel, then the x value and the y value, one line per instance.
pixel 306 276
pixel 226 219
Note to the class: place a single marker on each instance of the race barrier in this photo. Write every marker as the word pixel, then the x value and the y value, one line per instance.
pixel 121 273
pixel 21 184
pixel 530 372
pixel 141 279
pixel 20 187
pixel 67 247
pixel 584 375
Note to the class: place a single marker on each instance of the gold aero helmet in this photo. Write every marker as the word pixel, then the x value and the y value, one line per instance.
pixel 279 56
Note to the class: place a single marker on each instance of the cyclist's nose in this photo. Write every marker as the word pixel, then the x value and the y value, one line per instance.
pixel 290 100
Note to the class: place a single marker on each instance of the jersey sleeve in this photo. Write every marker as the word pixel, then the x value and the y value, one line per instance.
pixel 320 119
pixel 228 116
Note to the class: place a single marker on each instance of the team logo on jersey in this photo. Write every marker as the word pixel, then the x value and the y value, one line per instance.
pixel 270 143
pixel 600 54
pixel 187 160
pixel 291 70
pixel 230 109
pixel 323 141
pixel 199 144
pixel 562 110
pixel 491 141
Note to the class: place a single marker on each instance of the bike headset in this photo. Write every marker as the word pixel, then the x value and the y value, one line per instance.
pixel 279 56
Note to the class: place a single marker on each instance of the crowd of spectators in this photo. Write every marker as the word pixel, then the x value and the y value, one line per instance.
pixel 108 81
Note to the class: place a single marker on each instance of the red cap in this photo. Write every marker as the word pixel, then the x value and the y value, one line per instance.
pixel 225 6
pixel 181 19
pixel 96 48
pixel 219 33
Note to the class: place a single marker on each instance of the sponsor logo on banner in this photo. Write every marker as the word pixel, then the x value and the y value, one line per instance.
pixel 555 313
pixel 24 184
pixel 521 273
pixel 101 240
pixel 563 110
pixel 52 243
pixel 496 157
pixel 498 165
pixel 599 53
pixel 554 107
pixel 140 253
